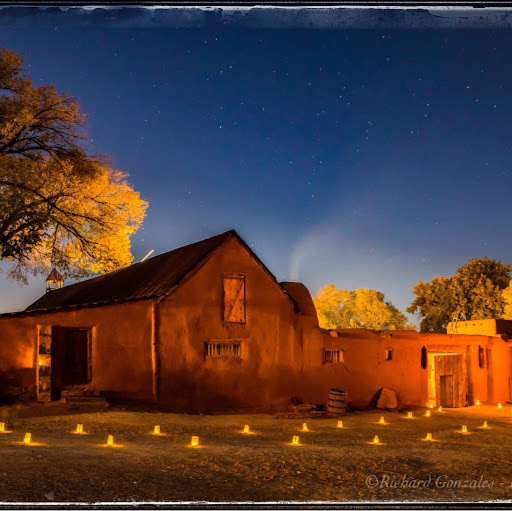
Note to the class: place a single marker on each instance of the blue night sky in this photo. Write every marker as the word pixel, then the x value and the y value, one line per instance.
pixel 363 158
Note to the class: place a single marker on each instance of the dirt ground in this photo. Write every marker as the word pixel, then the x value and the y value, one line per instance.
pixel 330 464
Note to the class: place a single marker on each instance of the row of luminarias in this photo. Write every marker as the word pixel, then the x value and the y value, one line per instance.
pixel 194 442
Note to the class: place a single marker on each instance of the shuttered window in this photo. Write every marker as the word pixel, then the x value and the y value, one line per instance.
pixel 234 298
pixel 333 356
pixel 222 349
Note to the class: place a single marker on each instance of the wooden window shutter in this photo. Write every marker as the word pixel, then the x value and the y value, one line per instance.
pixel 234 298
pixel 424 357
pixel 481 357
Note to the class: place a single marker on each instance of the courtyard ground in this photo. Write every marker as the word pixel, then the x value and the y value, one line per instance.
pixel 330 464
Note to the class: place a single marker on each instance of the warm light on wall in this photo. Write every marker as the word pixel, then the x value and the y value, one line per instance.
pixel 376 439
pixel 295 440
pixel 194 442
pixel 28 438
pixel 429 437
pixel 156 430
pixel 409 415
pixel 79 428
pixel 381 420
pixel 427 413
pixel 305 427
pixel 340 424
pixel 246 429
pixel 110 440
pixel 464 429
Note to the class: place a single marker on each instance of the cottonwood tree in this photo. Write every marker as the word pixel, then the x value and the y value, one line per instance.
pixel 476 291
pixel 362 308
pixel 59 206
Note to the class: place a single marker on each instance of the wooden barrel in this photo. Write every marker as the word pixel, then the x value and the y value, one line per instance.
pixel 337 404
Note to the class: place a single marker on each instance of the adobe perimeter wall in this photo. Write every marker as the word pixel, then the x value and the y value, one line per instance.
pixel 365 369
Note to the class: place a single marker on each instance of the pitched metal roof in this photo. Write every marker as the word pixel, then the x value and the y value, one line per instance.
pixel 154 277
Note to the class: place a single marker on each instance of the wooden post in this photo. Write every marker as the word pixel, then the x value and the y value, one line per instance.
pixel 44 363
pixel 155 356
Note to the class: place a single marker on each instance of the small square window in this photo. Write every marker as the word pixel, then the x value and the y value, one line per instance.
pixel 389 354
pixel 333 356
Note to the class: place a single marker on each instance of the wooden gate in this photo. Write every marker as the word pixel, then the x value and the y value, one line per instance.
pixel 450 380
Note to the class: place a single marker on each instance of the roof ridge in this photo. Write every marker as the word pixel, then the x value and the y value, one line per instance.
pixel 155 276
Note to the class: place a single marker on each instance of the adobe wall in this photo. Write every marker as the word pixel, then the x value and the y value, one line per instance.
pixel 500 371
pixel 121 346
pixel 267 374
pixel 365 369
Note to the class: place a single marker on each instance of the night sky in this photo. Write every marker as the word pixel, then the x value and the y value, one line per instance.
pixel 361 158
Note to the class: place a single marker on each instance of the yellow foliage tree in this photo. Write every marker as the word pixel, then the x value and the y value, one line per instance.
pixel 507 298
pixel 362 308
pixel 59 206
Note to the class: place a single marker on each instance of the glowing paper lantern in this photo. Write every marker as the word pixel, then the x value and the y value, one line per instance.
pixel 295 440
pixel 305 427
pixel 429 437
pixel 79 428
pixel 2 426
pixel 340 424
pixel 376 439
pixel 427 414
pixel 440 408
pixel 477 403
pixel 381 421
pixel 110 440
pixel 431 405
pixel 28 438
pixel 246 428
pixel 409 415
pixel 464 429
pixel 195 441
pixel 156 431
pixel 485 424
pixel 499 405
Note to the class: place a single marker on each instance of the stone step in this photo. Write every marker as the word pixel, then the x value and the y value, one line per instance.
pixel 86 402
pixel 79 393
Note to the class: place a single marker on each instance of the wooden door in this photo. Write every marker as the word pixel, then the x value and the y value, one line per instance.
pixel 446 385
pixel 76 359
pixel 450 380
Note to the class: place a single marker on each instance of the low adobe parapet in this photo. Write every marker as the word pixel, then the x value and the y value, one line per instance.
pixel 489 327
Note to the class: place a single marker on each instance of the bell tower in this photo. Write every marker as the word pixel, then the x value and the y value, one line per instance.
pixel 54 281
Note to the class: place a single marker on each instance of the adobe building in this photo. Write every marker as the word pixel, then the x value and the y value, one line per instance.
pixel 208 327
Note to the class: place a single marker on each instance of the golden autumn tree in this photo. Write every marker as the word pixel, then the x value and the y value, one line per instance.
pixel 362 308
pixel 59 206
pixel 478 290
pixel 507 299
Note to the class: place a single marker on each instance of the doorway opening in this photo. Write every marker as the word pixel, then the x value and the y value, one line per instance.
pixel 70 360
pixel 447 379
